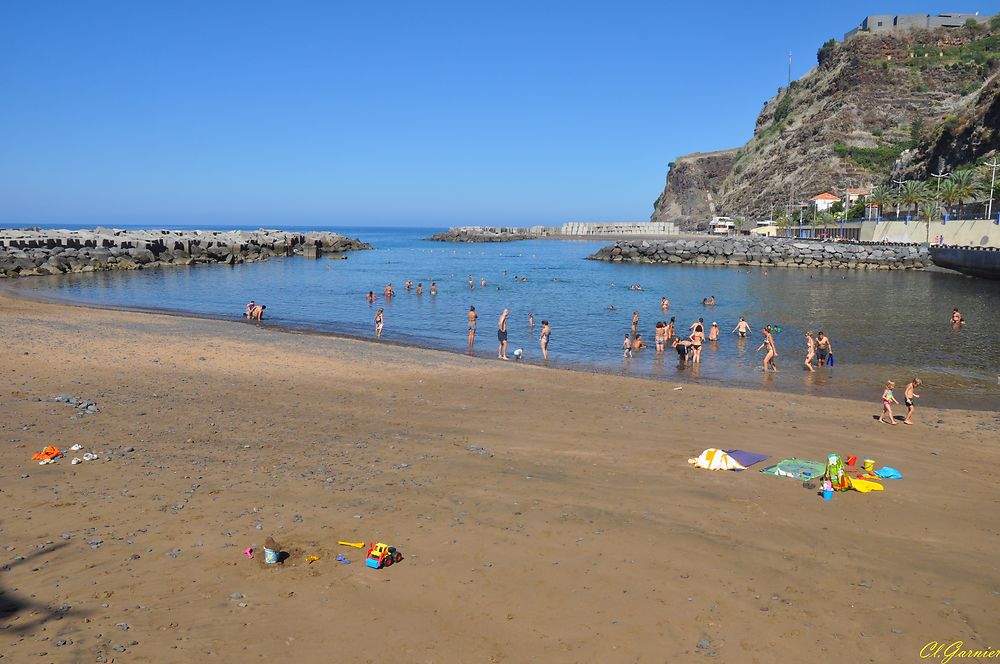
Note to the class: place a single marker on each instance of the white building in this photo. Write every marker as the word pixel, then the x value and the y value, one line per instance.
pixel 823 202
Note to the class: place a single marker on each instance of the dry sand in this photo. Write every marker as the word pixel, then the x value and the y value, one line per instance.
pixel 580 535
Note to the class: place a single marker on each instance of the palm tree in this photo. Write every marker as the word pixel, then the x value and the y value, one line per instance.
pixel 930 210
pixel 966 187
pixel 950 192
pixel 914 193
pixel 880 197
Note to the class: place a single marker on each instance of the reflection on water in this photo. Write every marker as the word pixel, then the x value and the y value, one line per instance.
pixel 883 325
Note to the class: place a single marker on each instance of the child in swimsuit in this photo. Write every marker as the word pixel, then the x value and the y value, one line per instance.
pixel 627 345
pixel 908 396
pixel 378 324
pixel 887 401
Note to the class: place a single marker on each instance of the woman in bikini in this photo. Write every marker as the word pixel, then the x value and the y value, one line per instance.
pixel 473 317
pixel 697 339
pixel 810 351
pixel 543 340
pixel 771 350
pixel 379 324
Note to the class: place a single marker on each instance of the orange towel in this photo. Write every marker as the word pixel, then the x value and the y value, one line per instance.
pixel 50 452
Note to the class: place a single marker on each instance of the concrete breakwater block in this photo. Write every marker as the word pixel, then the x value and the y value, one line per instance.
pixel 778 252
pixel 30 252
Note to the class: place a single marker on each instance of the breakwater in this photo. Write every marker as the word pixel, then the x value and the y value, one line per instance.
pixel 769 251
pixel 484 234
pixel 31 252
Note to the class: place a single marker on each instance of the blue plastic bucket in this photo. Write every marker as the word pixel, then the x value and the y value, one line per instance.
pixel 270 557
pixel 827 495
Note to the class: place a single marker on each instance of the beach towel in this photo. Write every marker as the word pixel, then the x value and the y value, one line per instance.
pixel 800 469
pixel 746 458
pixel 888 473
pixel 864 486
pixel 50 452
pixel 713 459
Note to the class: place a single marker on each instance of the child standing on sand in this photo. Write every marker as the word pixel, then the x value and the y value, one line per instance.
pixel 887 401
pixel 908 396
pixel 627 346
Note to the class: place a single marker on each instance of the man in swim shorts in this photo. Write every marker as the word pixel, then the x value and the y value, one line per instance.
pixel 823 348
pixel 502 335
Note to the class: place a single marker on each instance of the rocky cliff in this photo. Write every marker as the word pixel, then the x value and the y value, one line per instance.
pixel 876 104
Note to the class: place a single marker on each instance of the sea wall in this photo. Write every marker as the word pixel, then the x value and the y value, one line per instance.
pixel 973 233
pixel 32 252
pixel 777 252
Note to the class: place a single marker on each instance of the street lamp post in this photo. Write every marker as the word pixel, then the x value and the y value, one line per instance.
pixel 899 191
pixel 937 200
pixel 993 183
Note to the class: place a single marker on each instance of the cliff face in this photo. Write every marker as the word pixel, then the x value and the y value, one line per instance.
pixel 925 96
pixel 693 185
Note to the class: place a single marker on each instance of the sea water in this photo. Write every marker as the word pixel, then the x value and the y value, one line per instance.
pixel 883 325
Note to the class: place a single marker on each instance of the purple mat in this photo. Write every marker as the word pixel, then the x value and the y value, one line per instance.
pixel 745 458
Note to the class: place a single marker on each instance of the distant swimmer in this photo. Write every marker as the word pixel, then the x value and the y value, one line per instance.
pixel 531 321
pixel 700 323
pixel 388 291
pixel 473 317
pixel 434 288
pixel 956 317
pixel 472 284
pixel 379 324
pixel 257 313
pixel 543 340
pixel 502 335
pixel 482 282
pixel 742 328
pixel 523 279
pixel 713 332
pixel 611 307
pixel 371 297
pixel 627 346
pixel 635 321
pixel 420 289
pixel 709 301
pixel 612 284
pixel 810 351
pixel 408 284
pixel 824 349
pixel 664 303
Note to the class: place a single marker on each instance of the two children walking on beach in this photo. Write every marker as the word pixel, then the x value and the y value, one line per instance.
pixel 908 396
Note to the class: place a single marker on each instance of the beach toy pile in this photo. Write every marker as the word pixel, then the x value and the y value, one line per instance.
pixel 837 475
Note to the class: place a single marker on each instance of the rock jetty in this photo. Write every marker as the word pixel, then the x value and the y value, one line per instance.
pixel 483 235
pixel 31 252
pixel 770 251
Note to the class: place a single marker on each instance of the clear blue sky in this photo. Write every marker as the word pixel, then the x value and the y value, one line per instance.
pixel 385 113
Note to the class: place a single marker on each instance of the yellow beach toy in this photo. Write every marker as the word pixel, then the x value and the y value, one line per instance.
pixel 864 486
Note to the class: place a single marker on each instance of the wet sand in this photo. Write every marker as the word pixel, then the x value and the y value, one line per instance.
pixel 544 515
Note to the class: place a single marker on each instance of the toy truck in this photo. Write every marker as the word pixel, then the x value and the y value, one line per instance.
pixel 382 555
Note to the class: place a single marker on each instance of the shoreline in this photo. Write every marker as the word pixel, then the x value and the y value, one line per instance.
pixel 485 357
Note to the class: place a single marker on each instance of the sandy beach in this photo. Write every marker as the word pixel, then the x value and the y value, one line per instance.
pixel 543 515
